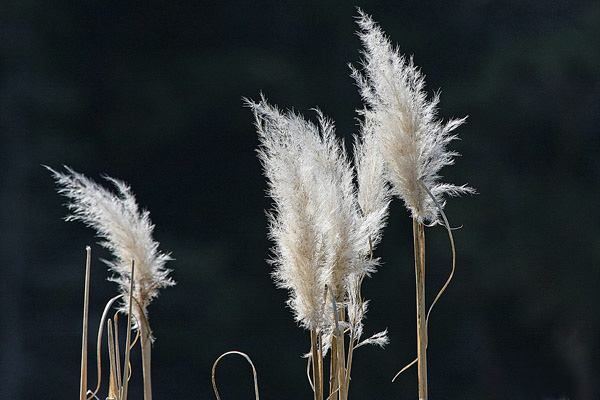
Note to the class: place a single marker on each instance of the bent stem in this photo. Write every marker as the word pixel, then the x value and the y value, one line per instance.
pixel 419 243
pixel 214 383
pixel 453 248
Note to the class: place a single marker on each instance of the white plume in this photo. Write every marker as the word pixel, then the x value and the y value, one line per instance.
pixel 412 140
pixel 320 234
pixel 125 231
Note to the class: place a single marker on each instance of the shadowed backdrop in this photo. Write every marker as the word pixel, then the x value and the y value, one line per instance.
pixel 150 93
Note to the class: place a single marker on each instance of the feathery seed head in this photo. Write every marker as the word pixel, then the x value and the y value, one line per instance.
pixel 299 256
pixel 126 232
pixel 316 223
pixel 373 191
pixel 412 140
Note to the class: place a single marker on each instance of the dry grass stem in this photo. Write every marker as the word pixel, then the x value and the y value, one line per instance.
pixel 84 335
pixel 324 228
pixel 146 344
pixel 419 245
pixel 127 233
pixel 453 248
pixel 316 365
pixel 413 143
pixel 117 352
pixel 254 375
pixel 126 366
pixel 446 224
pixel 113 385
pixel 103 320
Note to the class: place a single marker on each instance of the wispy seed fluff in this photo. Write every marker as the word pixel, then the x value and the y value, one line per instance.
pixel 127 233
pixel 319 231
pixel 412 139
pixel 373 189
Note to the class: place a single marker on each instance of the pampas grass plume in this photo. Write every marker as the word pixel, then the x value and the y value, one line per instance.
pixel 138 266
pixel 412 139
pixel 126 232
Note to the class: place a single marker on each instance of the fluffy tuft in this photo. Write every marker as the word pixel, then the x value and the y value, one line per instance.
pixel 298 255
pixel 126 232
pixel 412 139
pixel 319 230
pixel 374 194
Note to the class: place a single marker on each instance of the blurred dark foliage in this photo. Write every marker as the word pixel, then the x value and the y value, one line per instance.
pixel 150 92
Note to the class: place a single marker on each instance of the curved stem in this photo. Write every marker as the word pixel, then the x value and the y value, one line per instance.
pixel 437 297
pixel 214 383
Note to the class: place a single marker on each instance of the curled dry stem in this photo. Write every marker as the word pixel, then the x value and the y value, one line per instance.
pixel 214 383
pixel 99 343
pixel 103 321
pixel 115 382
pixel 308 371
pixel 334 393
pixel 437 297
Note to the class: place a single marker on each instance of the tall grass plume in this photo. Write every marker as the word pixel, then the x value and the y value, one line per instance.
pixel 323 234
pixel 412 142
pixel 126 231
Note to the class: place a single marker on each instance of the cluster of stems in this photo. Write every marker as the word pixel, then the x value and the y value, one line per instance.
pixel 341 355
pixel 118 375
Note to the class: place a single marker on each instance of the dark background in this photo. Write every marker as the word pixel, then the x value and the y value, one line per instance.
pixel 150 92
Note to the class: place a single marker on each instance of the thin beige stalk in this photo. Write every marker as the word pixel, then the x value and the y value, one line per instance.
pixel 320 337
pixel 351 346
pixel 84 335
pixel 437 297
pixel 146 343
pixel 254 375
pixel 99 344
pixel 338 368
pixel 117 352
pixel 316 365
pixel 449 230
pixel 113 387
pixel 333 367
pixel 419 243
pixel 353 340
pixel 128 340
pixel 341 356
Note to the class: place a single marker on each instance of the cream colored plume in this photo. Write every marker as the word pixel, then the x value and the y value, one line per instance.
pixel 126 232
pixel 412 139
pixel 321 238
